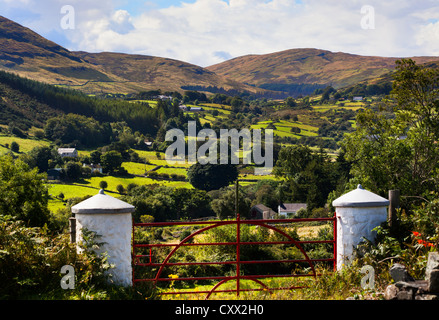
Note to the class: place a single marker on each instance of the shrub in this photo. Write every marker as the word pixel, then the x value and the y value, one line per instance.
pixel 103 184
pixel 120 188
pixel 15 147
pixel 164 175
pixel 152 174
pixel 31 260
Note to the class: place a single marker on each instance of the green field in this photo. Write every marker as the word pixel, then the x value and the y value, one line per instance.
pixel 354 106
pixel 26 145
pixel 90 187
pixel 283 128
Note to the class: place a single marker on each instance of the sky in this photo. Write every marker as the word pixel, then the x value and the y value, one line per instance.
pixel 206 32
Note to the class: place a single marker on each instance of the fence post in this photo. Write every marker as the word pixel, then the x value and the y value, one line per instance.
pixel 394 196
pixel 72 228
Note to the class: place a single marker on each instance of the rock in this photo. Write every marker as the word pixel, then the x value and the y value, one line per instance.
pixel 416 286
pixel 391 292
pixel 432 272
pixel 399 272
pixel 405 295
pixel 427 297
pixel 432 262
pixel 433 281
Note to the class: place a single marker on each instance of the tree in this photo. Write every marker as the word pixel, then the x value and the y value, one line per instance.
pixel 73 170
pixel 396 147
pixel 266 194
pixel 326 94
pixel 290 102
pixel 225 205
pixel 212 176
pixel 95 157
pixel 72 128
pixel 23 193
pixel 111 161
pixel 103 184
pixel 43 158
pixel 120 188
pixel 191 204
pixel 310 176
pixel 15 147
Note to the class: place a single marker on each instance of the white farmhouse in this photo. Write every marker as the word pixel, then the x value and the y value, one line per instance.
pixel 290 209
pixel 68 152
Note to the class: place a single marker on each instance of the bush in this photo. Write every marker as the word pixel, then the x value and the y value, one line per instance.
pixel 15 147
pixel 120 188
pixel 31 260
pixel 23 193
pixel 103 184
pixel 152 174
pixel 415 234
pixel 164 175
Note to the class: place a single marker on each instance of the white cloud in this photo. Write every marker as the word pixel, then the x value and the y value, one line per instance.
pixel 121 22
pixel 209 31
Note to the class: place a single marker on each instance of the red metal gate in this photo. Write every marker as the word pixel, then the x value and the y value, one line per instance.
pixel 269 224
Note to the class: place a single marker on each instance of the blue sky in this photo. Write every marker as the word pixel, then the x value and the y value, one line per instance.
pixel 205 32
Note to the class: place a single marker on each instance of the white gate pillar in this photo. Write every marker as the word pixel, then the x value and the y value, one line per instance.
pixel 357 213
pixel 111 219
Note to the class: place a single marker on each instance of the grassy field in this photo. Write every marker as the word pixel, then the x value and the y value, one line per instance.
pixel 137 168
pixel 354 106
pixel 26 145
pixel 283 128
pixel 90 187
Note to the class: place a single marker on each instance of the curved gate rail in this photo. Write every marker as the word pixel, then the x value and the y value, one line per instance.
pixel 269 224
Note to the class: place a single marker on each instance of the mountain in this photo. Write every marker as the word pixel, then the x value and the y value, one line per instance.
pixel 158 73
pixel 279 74
pixel 28 54
pixel 296 69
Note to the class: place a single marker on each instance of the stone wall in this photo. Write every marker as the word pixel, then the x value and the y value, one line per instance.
pixel 406 288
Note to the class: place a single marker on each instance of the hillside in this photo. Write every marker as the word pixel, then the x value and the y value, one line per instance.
pixel 299 69
pixel 276 75
pixel 155 72
pixel 30 55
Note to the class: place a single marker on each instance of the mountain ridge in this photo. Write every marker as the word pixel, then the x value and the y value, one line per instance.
pixel 283 73
pixel 24 52
pixel 308 66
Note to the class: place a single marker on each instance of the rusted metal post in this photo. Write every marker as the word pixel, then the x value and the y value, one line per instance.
pixel 394 196
pixel 238 238
pixel 335 241
pixel 72 228
pixel 133 254
pixel 236 197
pixel 238 253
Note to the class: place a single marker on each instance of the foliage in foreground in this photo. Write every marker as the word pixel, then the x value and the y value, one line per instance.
pixel 31 260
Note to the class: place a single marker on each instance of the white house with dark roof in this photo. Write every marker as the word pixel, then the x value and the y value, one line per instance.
pixel 68 152
pixel 290 209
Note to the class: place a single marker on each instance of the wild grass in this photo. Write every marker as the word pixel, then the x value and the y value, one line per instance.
pixel 26 145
